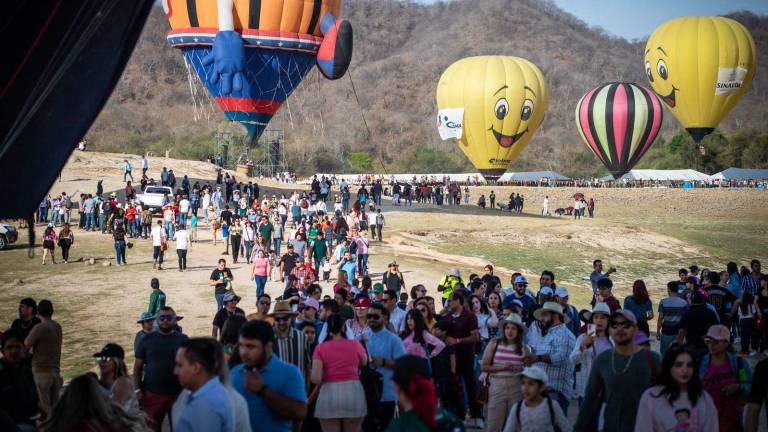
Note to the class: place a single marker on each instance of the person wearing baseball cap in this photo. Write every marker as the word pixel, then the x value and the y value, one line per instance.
pixel 725 376
pixel 561 297
pixel 590 344
pixel 520 286
pixel 618 378
pixel 357 326
pixel 27 317
pixel 552 351
pixel 529 410
pixel 113 376
pixel 230 308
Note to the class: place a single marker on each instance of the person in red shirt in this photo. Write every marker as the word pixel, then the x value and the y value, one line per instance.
pixel 130 217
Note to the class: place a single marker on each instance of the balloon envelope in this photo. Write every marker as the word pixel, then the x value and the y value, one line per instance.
pixel 503 100
pixel 281 41
pixel 619 122
pixel 700 67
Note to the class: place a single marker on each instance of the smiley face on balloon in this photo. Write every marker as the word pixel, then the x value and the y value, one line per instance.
pixel 504 100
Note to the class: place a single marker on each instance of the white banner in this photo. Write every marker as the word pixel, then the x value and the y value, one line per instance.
pixel 450 123
pixel 729 80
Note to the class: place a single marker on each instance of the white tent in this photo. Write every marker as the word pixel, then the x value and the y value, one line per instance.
pixel 663 175
pixel 741 174
pixel 531 176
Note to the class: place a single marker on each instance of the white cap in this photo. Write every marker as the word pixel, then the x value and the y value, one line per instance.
pixel 535 373
pixel 561 292
pixel 546 291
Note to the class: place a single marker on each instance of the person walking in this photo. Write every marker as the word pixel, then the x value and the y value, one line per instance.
pixel 341 400
pixel 127 169
pixel 261 268
pixel 545 206
pixel 589 345
pixel 66 239
pixel 537 411
pixel 181 237
pixel 235 237
pixel 45 340
pixel 502 362
pixel 677 402
pixel 49 243
pixel 641 305
pixel 153 377
pixel 144 166
pixel 159 245
pixel 118 234
pixel 229 310
pixel 221 280
pixel 671 309
pixel 618 379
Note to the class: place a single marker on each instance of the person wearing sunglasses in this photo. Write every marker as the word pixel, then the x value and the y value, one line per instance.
pixel 384 347
pixel 291 345
pixel 618 379
pixel 156 385
pixel 114 378
pixel 262 310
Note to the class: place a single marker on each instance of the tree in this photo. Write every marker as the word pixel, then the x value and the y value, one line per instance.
pixel 360 162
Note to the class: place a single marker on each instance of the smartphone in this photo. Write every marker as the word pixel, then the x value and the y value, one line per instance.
pixel 591 330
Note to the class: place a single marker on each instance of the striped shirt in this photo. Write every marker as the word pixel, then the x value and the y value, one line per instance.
pixel 507 355
pixel 294 349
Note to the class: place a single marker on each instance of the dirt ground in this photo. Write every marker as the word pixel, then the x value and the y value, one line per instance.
pixel 645 233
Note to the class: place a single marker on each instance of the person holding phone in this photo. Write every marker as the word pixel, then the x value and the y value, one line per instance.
pixel 589 345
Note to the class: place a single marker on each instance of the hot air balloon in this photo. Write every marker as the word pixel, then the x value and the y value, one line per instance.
pixel 252 54
pixel 619 122
pixel 700 67
pixel 492 106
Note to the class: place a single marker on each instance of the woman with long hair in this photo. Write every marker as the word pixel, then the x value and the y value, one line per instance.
pixel 341 401
pixel 356 327
pixel 417 340
pixel 678 401
pixel 260 270
pixel 341 282
pixel 114 378
pixel 480 309
pixel 734 279
pixel 49 243
pixel 66 239
pixel 502 362
pixel 747 311
pixel 495 312
pixel 366 286
pixel 641 305
pixel 84 407
pixel 422 305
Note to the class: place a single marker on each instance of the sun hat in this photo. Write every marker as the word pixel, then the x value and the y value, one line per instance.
pixel 521 280
pixel 514 319
pixel 561 292
pixel 282 307
pixel 627 314
pixel 718 332
pixel 146 316
pixel 230 296
pixel 599 308
pixel 535 373
pixel 551 307
pixel 111 350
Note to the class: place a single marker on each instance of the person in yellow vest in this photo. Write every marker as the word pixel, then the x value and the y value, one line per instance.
pixel 448 282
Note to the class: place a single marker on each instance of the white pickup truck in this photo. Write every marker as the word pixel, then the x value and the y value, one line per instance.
pixel 153 197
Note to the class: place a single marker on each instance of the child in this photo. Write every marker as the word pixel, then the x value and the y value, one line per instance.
pixel 193 227
pixel 536 412
pixel 326 270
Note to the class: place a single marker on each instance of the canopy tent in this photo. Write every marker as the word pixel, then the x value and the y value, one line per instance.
pixel 531 176
pixel 741 174
pixel 663 175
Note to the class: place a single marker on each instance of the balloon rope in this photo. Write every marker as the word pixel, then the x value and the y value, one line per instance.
pixel 362 114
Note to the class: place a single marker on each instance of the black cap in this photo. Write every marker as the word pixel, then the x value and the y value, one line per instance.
pixel 111 350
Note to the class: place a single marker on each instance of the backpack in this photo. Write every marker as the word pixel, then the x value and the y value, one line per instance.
pixel 551 413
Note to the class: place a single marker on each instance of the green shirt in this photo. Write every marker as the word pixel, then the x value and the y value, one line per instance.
pixel 266 230
pixel 313 233
pixel 320 249
pixel 156 301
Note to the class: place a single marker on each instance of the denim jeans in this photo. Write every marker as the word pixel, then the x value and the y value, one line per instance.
pixel 54 217
pixel 278 243
pixel 101 222
pixel 219 301
pixel 89 226
pixel 261 282
pixel 362 264
pixel 120 251
pixel 666 341
pixel 182 219
pixel 169 229
pixel 247 244
pixel 42 214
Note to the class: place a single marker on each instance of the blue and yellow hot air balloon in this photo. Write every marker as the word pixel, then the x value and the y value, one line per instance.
pixel 251 54
pixel 700 67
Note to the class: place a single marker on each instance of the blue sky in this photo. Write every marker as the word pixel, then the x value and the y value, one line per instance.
pixel 638 18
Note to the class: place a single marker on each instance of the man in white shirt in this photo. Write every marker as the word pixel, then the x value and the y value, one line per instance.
pixel 184 205
pixel 144 166
pixel 181 237
pixel 545 207
pixel 396 315
pixel 158 238
pixel 372 224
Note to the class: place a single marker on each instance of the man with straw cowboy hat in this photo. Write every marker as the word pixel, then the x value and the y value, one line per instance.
pixel 552 352
pixel 291 345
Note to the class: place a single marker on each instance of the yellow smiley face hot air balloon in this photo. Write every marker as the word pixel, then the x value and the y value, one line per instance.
pixel 700 67
pixel 492 106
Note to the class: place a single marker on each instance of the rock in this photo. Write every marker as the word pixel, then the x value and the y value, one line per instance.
pixel 18 282
pixel 90 261
pixel 106 264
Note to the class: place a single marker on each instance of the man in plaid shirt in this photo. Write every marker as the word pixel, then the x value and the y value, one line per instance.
pixel 552 352
pixel 304 275
pixel 751 282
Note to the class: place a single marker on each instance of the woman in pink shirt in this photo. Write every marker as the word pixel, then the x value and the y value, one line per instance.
pixel 417 340
pixel 260 268
pixel 341 403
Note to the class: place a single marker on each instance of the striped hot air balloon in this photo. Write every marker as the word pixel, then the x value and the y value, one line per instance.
pixel 619 122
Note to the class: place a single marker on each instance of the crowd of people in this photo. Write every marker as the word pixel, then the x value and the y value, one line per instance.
pixel 373 355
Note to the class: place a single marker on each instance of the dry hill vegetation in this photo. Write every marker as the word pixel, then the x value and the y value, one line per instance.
pixel 401 49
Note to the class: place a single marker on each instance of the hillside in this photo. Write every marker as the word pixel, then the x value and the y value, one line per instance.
pixel 395 69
